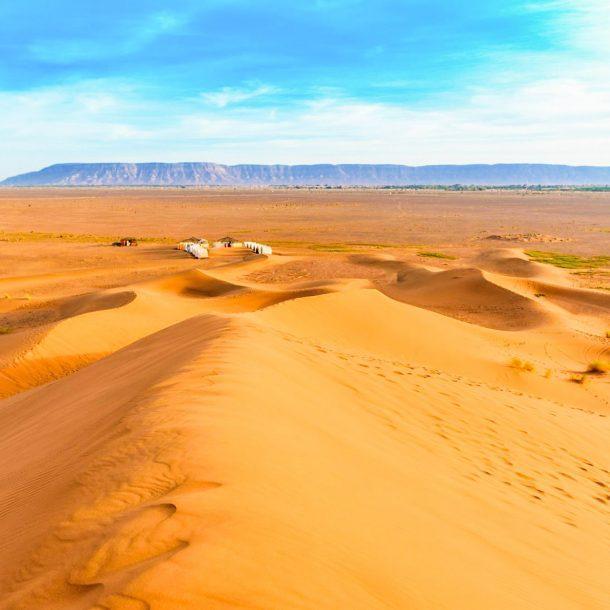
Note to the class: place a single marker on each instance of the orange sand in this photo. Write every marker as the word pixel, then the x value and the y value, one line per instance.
pixel 205 440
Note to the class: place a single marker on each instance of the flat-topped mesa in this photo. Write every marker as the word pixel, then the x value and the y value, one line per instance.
pixel 201 174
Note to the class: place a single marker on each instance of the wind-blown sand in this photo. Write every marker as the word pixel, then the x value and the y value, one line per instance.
pixel 208 440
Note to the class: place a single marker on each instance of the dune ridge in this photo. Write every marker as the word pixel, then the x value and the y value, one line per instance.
pixel 324 444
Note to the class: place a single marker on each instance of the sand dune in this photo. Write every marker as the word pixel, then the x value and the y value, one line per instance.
pixel 579 302
pixel 468 295
pixel 71 337
pixel 212 442
pixel 513 262
pixel 505 291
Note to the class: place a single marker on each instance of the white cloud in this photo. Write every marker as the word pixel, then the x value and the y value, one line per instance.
pixel 555 120
pixel 551 106
pixel 548 106
pixel 231 95
pixel 583 24
pixel 130 40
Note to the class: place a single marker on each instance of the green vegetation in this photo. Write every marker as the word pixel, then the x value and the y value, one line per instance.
pixel 592 273
pixel 535 188
pixel 375 246
pixel 568 261
pixel 427 254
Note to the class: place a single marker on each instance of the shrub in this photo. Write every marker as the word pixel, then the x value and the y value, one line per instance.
pixel 427 254
pixel 522 365
pixel 568 261
pixel 598 367
pixel 578 378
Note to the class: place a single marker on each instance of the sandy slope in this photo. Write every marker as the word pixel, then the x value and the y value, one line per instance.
pixel 311 446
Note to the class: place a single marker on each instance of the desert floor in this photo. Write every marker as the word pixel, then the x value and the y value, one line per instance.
pixel 393 411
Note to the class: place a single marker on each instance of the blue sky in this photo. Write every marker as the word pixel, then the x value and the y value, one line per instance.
pixel 437 81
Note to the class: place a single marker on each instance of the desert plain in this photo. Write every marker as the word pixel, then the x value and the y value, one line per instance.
pixel 405 406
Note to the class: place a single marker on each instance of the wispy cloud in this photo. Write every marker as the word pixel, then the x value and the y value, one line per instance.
pixel 111 121
pixel 230 95
pixel 128 39
pixel 542 93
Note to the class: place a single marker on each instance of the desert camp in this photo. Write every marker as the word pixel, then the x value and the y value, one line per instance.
pixel 227 242
pixel 130 436
pixel 351 350
pixel 199 248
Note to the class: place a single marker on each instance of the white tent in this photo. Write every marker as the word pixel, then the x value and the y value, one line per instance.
pixel 197 250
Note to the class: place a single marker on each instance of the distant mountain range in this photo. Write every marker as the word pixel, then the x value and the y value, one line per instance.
pixel 214 174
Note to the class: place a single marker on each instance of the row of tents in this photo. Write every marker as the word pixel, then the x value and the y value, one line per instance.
pixel 199 247
pixel 258 248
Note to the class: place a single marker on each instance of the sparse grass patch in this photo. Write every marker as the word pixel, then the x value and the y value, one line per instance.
pixel 332 248
pixel 608 334
pixel 347 247
pixel 156 240
pixel 33 236
pixel 598 367
pixel 286 242
pixel 578 378
pixel 593 273
pixel 522 365
pixel 83 238
pixel 428 254
pixel 5 330
pixel 568 261
pixel 374 246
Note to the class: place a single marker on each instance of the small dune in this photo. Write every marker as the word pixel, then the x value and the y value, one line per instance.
pixel 196 283
pixel 467 294
pixel 411 438
pixel 513 262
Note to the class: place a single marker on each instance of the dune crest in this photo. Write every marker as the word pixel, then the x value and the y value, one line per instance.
pixel 318 444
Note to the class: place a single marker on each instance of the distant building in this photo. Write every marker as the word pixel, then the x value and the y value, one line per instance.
pixel 193 240
pixel 228 242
